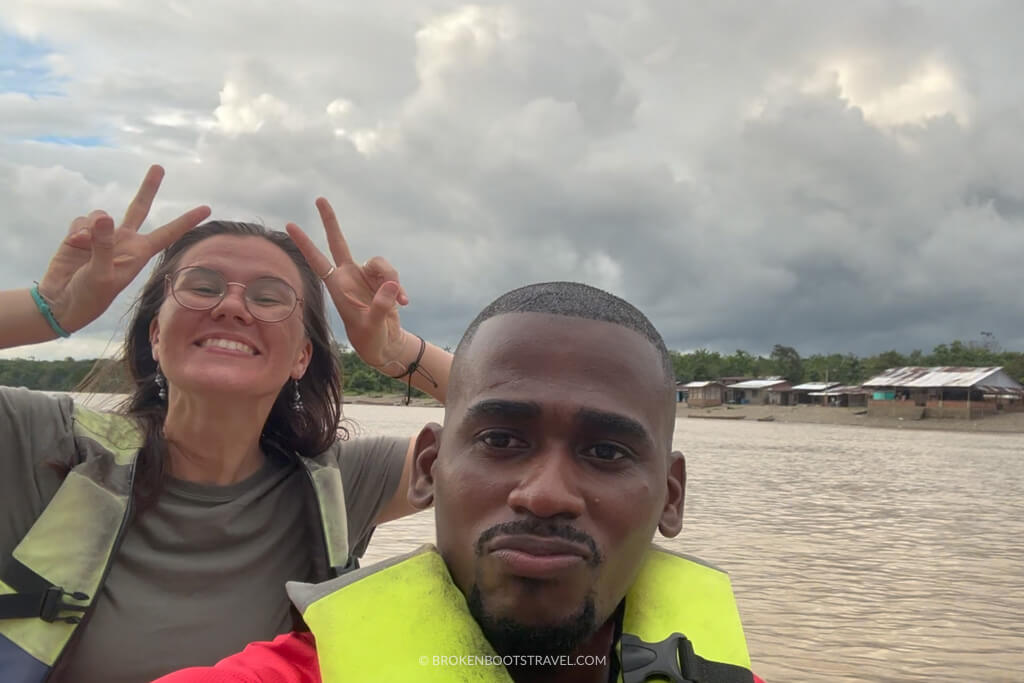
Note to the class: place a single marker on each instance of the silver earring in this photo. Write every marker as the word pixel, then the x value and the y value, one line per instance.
pixel 297 397
pixel 161 382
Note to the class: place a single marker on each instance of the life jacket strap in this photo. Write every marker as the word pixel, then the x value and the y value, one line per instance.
pixel 47 606
pixel 36 597
pixel 674 659
pixel 351 564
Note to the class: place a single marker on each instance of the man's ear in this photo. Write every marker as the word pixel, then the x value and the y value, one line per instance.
pixel 421 481
pixel 671 522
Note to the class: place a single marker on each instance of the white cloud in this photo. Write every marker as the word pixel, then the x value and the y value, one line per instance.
pixel 928 90
pixel 241 112
pixel 87 346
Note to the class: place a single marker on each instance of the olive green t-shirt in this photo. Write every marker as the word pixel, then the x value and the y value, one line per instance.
pixel 201 574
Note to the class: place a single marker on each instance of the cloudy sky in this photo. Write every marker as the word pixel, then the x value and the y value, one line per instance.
pixel 835 176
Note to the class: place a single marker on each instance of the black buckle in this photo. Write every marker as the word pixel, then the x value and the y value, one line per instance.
pixel 52 605
pixel 672 658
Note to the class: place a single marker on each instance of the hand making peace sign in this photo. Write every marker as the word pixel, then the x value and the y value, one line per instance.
pixel 366 296
pixel 97 261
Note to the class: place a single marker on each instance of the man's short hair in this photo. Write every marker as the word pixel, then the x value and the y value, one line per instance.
pixel 575 300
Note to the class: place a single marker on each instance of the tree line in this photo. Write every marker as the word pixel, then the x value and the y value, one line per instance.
pixel 702 364
pixel 110 376
pixel 785 361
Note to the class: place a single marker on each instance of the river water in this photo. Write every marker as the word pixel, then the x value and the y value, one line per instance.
pixel 856 554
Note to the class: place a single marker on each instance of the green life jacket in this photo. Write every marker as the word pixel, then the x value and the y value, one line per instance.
pixel 405 620
pixel 49 584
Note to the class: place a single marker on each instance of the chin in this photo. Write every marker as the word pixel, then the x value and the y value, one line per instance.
pixel 535 627
pixel 542 612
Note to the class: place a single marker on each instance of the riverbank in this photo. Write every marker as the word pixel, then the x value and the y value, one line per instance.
pixel 112 401
pixel 1007 423
pixel 391 400
pixel 804 414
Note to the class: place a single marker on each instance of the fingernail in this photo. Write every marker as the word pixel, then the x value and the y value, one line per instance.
pixel 82 232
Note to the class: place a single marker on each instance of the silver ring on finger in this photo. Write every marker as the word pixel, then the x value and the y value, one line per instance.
pixel 328 273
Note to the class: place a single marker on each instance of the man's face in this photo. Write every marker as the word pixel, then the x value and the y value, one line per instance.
pixel 551 474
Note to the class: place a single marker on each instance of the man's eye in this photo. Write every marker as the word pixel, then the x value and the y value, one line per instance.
pixel 501 440
pixel 607 452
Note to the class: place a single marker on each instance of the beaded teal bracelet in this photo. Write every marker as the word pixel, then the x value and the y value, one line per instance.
pixel 44 308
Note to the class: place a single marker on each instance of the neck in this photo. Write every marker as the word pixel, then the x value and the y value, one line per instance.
pixel 214 441
pixel 598 649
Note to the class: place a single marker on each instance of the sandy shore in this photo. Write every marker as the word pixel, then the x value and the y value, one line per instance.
pixel 1013 422
pixel 804 414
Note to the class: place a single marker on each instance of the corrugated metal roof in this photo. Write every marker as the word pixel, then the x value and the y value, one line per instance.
pixel 836 391
pixel 1000 390
pixel 848 389
pixel 758 383
pixel 698 385
pixel 943 377
pixel 815 386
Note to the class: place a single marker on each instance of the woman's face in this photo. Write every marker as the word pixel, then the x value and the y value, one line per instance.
pixel 225 350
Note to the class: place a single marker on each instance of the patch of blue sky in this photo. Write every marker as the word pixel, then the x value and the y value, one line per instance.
pixel 73 140
pixel 24 69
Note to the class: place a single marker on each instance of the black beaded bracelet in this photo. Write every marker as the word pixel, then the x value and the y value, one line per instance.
pixel 413 368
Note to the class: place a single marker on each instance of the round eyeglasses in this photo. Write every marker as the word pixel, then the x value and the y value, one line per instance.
pixel 268 299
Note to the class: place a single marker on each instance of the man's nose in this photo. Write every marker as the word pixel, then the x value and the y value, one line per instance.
pixel 549 485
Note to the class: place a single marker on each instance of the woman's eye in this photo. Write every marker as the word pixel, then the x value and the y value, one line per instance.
pixel 607 451
pixel 501 440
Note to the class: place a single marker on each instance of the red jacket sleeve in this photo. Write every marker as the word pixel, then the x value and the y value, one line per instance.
pixel 289 658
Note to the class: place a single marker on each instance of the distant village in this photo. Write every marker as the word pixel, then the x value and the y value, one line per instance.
pixel 904 392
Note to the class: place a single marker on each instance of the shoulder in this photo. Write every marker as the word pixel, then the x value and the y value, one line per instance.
pixel 29 405
pixel 44 416
pixel 289 658
pixel 37 424
pixel 353 455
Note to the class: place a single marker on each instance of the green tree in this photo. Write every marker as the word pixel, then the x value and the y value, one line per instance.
pixel 739 364
pixel 851 370
pixel 786 362
pixel 876 365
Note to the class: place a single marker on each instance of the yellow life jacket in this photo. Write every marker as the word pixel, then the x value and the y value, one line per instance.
pixel 405 620
pixel 49 583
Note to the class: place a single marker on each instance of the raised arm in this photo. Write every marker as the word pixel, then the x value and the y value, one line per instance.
pixel 367 298
pixel 93 264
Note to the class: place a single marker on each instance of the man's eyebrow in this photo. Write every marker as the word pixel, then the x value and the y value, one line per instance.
pixel 492 408
pixel 613 423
